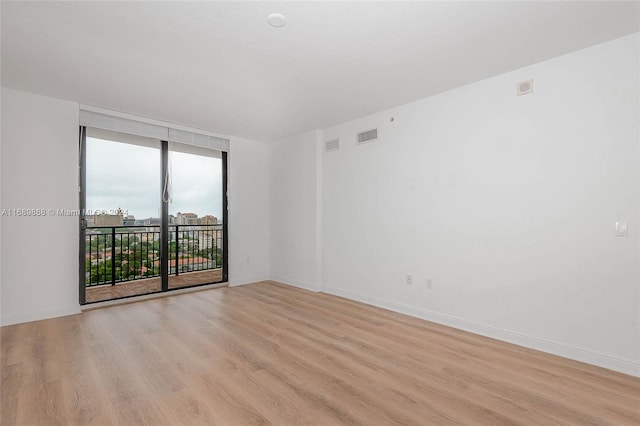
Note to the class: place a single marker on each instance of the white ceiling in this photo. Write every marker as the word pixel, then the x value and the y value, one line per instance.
pixel 220 66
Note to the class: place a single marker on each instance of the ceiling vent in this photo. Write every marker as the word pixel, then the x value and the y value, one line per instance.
pixel 524 87
pixel 332 145
pixel 368 136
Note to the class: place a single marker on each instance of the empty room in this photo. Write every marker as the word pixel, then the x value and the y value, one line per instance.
pixel 320 213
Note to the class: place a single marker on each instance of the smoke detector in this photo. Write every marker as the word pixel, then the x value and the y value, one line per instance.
pixel 277 20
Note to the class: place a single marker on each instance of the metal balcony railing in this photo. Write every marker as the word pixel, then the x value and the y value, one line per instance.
pixel 117 254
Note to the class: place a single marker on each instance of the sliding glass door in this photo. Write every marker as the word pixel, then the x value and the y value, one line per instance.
pixel 195 216
pixel 152 215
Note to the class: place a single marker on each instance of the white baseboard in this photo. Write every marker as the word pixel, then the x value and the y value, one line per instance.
pixel 39 315
pixel 297 283
pixel 567 351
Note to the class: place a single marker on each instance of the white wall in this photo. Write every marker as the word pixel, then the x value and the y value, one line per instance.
pixel 1 209
pixel 39 158
pixel 294 205
pixel 248 211
pixel 507 203
pixel 39 171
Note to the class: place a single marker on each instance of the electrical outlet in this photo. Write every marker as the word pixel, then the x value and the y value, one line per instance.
pixel 429 284
pixel 409 279
pixel 622 229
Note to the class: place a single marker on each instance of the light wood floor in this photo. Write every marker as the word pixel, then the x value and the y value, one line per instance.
pixel 271 354
pixel 150 285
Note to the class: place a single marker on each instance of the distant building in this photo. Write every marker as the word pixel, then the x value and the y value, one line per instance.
pixel 187 219
pixel 172 220
pixel 205 241
pixel 209 220
pixel 152 224
pixel 108 219
pixel 130 220
pixel 149 237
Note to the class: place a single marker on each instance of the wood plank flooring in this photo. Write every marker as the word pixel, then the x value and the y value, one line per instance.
pixel 267 353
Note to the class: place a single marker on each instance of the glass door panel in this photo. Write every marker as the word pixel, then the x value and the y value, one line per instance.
pixel 195 216
pixel 122 216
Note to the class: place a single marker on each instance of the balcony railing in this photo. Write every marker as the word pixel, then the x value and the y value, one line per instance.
pixel 117 254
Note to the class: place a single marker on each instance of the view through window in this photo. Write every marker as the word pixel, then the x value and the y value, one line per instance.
pixel 195 218
pixel 123 214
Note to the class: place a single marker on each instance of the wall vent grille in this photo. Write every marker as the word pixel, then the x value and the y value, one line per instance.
pixel 332 145
pixel 368 136
pixel 524 87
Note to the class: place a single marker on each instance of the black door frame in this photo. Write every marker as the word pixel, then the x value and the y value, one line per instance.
pixel 82 204
pixel 164 226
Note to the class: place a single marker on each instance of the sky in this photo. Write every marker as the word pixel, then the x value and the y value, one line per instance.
pixel 126 176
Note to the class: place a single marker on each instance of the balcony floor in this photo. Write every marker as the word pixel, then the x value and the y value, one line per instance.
pixel 150 285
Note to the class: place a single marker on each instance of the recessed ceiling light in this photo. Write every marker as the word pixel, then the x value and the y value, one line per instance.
pixel 277 20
